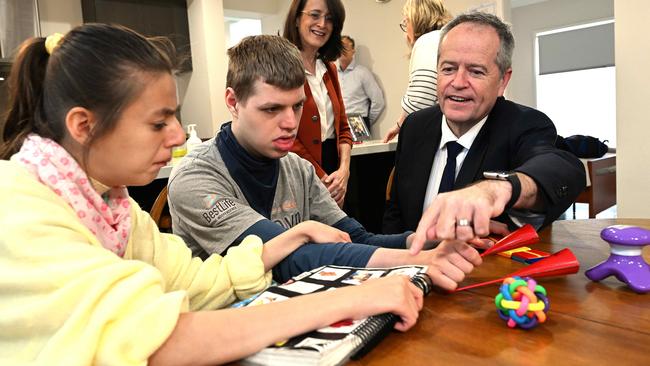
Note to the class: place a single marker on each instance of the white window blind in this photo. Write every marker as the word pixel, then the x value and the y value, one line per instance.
pixel 576 49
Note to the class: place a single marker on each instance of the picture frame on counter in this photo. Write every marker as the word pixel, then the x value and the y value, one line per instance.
pixel 358 127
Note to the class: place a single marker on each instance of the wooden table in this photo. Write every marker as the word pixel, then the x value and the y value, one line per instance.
pixel 588 323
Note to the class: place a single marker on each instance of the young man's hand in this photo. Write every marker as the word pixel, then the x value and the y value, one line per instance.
pixel 317 232
pixel 449 262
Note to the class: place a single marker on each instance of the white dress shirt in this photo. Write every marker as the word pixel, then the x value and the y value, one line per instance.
pixel 440 159
pixel 322 100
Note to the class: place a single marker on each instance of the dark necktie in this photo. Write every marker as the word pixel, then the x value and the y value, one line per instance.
pixel 449 174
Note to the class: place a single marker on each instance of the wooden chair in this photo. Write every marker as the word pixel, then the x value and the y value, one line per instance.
pixel 389 184
pixel 160 212
pixel 601 193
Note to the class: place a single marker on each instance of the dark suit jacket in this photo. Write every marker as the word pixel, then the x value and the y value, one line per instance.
pixel 514 137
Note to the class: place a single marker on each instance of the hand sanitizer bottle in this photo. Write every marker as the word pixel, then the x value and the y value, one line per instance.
pixel 194 139
pixel 178 152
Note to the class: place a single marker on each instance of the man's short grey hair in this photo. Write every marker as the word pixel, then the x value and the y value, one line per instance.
pixel 506 39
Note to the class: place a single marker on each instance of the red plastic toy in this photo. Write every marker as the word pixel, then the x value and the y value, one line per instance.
pixel 561 263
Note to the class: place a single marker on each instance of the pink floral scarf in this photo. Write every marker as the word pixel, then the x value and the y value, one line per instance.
pixel 107 216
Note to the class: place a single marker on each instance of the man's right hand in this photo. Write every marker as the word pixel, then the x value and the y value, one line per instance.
pixel 474 205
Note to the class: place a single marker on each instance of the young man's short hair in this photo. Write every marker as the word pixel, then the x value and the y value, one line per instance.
pixel 270 59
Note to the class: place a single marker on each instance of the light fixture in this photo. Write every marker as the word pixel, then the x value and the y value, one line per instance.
pixel 382 1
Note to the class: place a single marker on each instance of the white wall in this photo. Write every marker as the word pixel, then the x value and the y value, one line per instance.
pixel 632 95
pixel 381 47
pixel 270 12
pixel 202 89
pixel 544 16
pixel 253 6
pixel 274 23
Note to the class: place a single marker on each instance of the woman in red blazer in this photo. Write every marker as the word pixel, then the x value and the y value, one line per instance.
pixel 324 138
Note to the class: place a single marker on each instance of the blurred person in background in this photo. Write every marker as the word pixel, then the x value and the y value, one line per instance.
pixel 422 22
pixel 361 93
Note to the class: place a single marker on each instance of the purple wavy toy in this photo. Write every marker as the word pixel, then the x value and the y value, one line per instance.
pixel 625 262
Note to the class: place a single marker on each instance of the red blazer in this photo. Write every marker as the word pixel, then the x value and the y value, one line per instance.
pixel 308 141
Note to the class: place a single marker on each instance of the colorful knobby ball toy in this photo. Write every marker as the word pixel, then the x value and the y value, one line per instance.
pixel 522 302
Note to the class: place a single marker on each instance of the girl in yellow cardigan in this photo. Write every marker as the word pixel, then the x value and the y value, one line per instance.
pixel 85 275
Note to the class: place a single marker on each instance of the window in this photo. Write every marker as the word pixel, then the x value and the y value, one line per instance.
pixel 576 80
pixel 238 28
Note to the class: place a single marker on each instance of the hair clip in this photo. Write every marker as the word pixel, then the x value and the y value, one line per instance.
pixel 52 41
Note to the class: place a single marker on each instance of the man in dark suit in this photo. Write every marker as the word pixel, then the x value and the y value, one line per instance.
pixel 477 156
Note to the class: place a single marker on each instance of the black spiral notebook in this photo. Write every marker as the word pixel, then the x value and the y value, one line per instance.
pixel 343 340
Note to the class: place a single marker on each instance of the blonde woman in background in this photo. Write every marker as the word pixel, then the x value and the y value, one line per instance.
pixel 422 22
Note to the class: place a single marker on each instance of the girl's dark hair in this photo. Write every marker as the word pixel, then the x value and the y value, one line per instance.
pixel 95 66
pixel 332 49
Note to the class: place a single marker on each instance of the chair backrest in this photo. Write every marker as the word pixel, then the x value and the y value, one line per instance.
pixel 389 184
pixel 159 213
pixel 602 173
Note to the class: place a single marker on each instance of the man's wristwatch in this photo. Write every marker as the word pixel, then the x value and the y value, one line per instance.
pixel 510 177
